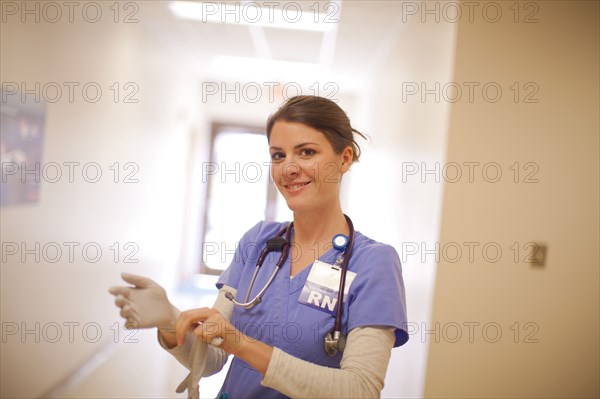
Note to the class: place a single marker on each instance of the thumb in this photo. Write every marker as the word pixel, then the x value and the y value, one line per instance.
pixel 138 281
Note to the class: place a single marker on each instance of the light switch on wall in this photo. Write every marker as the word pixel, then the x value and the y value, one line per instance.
pixel 538 257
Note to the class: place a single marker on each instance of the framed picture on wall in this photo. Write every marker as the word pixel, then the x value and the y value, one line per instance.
pixel 22 120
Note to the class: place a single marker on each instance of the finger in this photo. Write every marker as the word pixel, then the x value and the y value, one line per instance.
pixel 207 330
pixel 186 320
pixel 125 312
pixel 121 301
pixel 204 333
pixel 132 322
pixel 182 325
pixel 200 333
pixel 138 281
pixel 120 290
pixel 128 312
pixel 211 330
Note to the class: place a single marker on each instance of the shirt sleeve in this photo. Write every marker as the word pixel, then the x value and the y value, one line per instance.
pixel 377 296
pixel 361 373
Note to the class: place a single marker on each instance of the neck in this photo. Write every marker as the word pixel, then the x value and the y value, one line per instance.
pixel 313 227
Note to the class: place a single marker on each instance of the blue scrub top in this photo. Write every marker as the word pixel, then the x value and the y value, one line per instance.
pixel 376 298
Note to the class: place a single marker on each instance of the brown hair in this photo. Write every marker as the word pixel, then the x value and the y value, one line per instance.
pixel 323 115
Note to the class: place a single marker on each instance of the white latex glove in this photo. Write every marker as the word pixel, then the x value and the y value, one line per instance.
pixel 192 381
pixel 145 305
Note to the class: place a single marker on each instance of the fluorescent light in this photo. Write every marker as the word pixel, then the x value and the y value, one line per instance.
pixel 288 17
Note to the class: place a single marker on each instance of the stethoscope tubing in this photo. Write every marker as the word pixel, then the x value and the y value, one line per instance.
pixel 338 315
pixel 334 341
pixel 261 258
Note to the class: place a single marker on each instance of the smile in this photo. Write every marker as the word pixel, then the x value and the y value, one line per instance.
pixel 291 188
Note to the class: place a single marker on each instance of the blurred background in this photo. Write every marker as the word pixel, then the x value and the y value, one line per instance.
pixel 133 140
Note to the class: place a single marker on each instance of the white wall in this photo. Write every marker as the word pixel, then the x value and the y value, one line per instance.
pixel 151 133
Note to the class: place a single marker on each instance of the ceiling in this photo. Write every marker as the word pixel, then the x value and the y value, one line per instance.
pixel 352 52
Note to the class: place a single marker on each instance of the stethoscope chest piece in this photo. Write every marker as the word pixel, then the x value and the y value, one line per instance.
pixel 334 342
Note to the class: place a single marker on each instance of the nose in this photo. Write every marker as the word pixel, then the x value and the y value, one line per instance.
pixel 291 170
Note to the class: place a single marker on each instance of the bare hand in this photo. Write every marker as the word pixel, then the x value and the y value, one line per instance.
pixel 209 326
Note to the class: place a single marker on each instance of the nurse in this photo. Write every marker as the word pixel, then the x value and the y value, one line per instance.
pixel 278 344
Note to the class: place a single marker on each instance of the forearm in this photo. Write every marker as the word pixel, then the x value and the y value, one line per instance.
pixel 361 375
pixel 256 353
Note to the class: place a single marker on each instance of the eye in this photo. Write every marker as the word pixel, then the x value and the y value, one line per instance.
pixel 307 152
pixel 277 156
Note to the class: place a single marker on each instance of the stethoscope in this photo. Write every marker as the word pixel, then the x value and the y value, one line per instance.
pixel 334 340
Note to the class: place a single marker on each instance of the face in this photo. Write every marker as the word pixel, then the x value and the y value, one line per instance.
pixel 305 167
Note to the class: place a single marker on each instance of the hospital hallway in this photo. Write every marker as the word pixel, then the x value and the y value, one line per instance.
pixel 133 139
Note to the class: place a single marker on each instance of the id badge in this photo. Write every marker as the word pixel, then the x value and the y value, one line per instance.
pixel 322 286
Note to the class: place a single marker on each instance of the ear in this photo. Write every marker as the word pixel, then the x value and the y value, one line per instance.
pixel 347 159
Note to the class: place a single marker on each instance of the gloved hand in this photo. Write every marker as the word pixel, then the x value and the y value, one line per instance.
pixel 145 305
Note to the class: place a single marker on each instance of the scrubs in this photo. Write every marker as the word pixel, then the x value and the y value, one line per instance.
pixel 376 298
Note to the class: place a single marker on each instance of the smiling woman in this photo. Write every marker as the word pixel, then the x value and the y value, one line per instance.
pixel 314 327
pixel 305 168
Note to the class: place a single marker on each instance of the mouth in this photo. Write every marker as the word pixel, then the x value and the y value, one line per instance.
pixel 293 188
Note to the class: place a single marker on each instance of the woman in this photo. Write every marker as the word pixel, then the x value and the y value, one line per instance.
pixel 278 339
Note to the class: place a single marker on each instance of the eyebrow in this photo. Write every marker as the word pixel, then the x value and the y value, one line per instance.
pixel 296 146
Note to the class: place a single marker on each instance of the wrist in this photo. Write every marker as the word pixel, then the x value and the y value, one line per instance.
pixel 252 351
pixel 169 325
pixel 168 339
pixel 235 343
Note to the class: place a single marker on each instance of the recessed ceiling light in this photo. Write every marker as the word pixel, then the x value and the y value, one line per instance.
pixel 251 13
